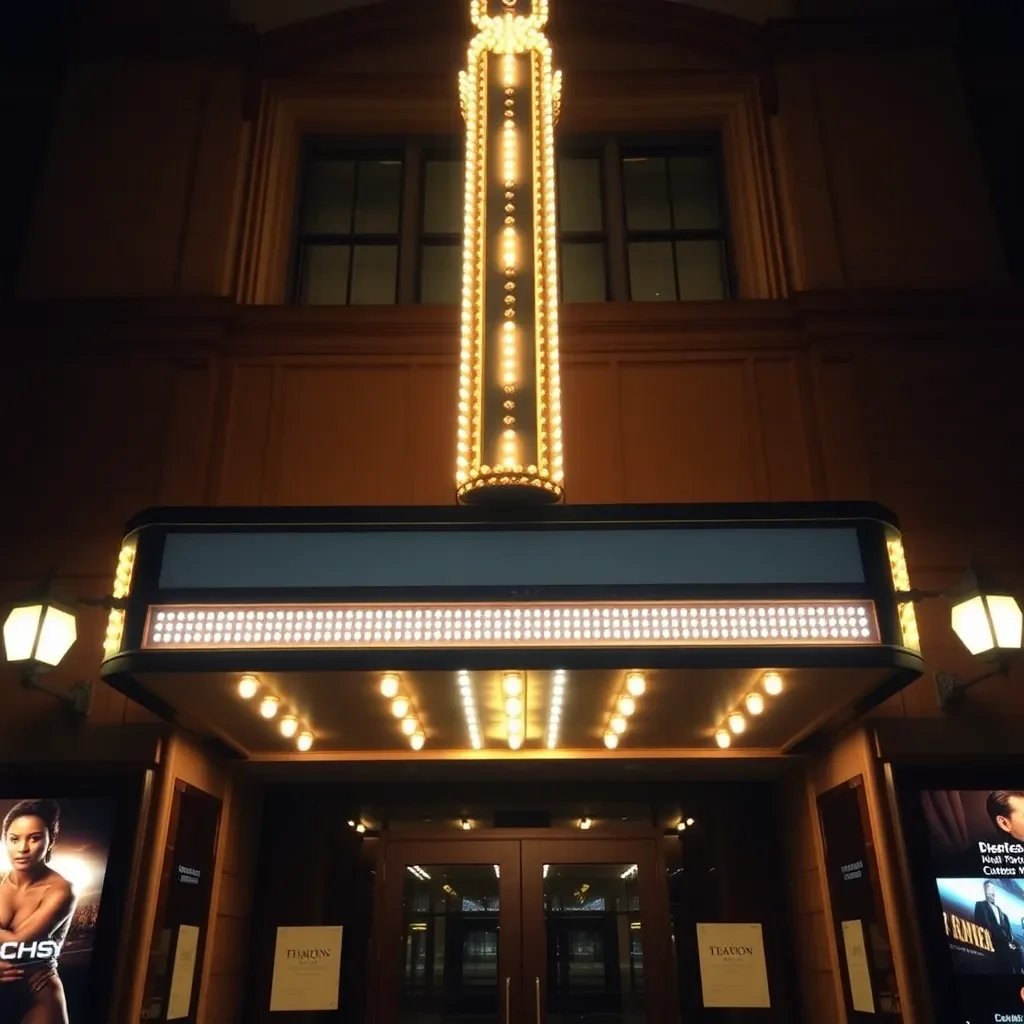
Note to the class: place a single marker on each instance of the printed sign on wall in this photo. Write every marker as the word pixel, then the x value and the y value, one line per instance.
pixel 733 972
pixel 307 968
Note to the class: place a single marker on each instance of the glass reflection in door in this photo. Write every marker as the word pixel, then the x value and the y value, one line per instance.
pixel 595 960
pixel 450 944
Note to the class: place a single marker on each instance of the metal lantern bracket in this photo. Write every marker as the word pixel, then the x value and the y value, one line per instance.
pixel 950 688
pixel 78 699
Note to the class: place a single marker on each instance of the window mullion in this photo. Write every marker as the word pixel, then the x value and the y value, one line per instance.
pixel 615 221
pixel 410 218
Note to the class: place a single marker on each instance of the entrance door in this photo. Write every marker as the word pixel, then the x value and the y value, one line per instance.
pixel 564 929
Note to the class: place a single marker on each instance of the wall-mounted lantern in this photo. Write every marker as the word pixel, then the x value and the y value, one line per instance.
pixel 987 619
pixel 39 631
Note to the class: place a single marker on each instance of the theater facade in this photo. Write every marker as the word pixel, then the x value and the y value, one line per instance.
pixel 549 583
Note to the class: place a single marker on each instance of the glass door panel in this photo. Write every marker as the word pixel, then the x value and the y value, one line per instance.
pixel 450 948
pixel 595 941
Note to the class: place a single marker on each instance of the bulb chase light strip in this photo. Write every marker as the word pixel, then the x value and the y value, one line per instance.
pixel 552 625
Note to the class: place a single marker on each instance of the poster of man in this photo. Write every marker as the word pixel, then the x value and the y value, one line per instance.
pixel 53 861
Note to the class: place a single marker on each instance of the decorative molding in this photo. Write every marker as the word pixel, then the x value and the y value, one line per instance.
pixel 203 328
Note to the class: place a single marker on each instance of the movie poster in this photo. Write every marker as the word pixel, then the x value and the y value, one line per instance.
pixel 53 860
pixel 977 844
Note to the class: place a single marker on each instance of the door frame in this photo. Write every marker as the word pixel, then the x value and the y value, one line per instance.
pixel 521 902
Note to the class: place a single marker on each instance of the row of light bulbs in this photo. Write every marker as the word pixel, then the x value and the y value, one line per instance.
pixel 625 705
pixel 269 706
pixel 513 695
pixel 753 704
pixel 402 709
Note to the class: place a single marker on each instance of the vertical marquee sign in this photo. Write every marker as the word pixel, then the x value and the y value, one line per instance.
pixel 510 432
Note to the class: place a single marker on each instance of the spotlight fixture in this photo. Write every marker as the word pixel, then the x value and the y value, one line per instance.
pixel 416 740
pixel 585 823
pixel 617 724
pixel 754 702
pixel 625 704
pixel 737 723
pixel 466 824
pixel 400 707
pixel 636 683
pixel 289 726
pixel 389 683
pixel 269 705
pixel 722 738
pixel 360 828
pixel 515 740
pixel 514 707
pixel 681 826
pixel 304 741
pixel 512 684
pixel 772 683
pixel 409 725
pixel 248 687
pixel 689 822
pixel 611 741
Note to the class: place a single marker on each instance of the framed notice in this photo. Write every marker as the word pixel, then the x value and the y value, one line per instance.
pixel 733 972
pixel 307 969
pixel 183 973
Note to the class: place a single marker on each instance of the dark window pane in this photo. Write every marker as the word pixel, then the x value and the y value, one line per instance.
pixel 651 274
pixel 443 188
pixel 701 269
pixel 441 275
pixel 377 197
pixel 324 275
pixel 646 187
pixel 579 194
pixel 583 272
pixel 695 200
pixel 327 200
pixel 374 273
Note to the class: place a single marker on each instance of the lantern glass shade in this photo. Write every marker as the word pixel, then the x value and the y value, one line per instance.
pixel 39 634
pixel 988 624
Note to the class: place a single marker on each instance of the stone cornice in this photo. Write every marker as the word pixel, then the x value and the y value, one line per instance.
pixel 204 328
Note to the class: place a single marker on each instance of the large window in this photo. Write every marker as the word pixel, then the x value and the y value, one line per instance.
pixel 349 228
pixel 640 220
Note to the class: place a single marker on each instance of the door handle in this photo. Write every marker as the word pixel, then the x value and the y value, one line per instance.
pixel 508 1001
pixel 537 994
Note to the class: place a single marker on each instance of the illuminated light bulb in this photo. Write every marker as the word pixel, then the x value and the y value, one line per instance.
pixel 389 685
pixel 681 826
pixel 248 687
pixel 512 684
pixel 722 738
pixel 772 683
pixel 289 726
pixel 409 725
pixel 466 824
pixel 400 707
pixel 689 822
pixel 269 705
pixel 755 703
pixel 360 828
pixel 636 683
pixel 611 741
pixel 585 823
pixel 625 704
pixel 515 740
pixel 515 725
pixel 737 723
pixel 617 724
pixel 304 741
pixel 514 707
pixel 416 740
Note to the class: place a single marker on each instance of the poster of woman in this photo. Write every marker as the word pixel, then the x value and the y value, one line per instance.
pixel 53 861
